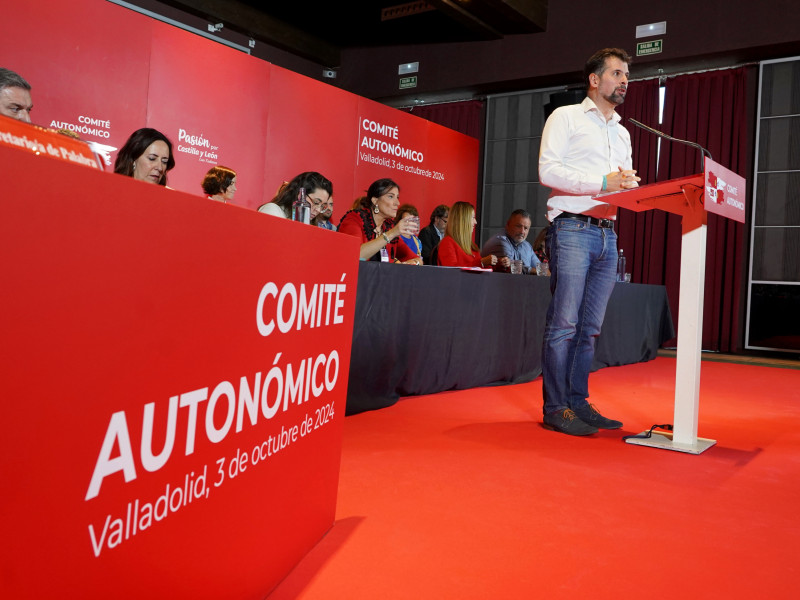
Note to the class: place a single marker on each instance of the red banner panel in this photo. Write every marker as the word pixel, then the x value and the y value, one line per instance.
pixel 392 144
pixel 211 102
pixel 173 389
pixel 311 128
pixel 88 63
pixel 220 106
pixel 454 160
pixel 432 164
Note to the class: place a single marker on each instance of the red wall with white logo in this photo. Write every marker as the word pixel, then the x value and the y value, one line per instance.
pixel 105 71
pixel 136 298
pixel 209 99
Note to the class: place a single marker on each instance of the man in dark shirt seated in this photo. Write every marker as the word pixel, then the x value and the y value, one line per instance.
pixel 431 235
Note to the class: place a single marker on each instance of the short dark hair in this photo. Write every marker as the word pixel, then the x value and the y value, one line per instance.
pixel 9 78
pixel 376 190
pixel 140 141
pixel 310 181
pixel 217 180
pixel 521 212
pixel 407 209
pixel 439 212
pixel 597 63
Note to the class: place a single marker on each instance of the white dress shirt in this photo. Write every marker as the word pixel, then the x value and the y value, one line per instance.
pixel 578 148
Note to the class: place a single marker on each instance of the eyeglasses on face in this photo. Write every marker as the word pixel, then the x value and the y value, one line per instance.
pixel 319 203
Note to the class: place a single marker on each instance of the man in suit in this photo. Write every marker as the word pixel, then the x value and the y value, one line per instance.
pixel 431 235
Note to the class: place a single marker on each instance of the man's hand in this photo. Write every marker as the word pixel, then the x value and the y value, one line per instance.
pixel 489 261
pixel 622 180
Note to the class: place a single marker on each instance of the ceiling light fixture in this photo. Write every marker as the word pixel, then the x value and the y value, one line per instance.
pixel 407 68
pixel 659 28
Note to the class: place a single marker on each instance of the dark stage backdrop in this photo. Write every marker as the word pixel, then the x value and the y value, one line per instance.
pixel 465 117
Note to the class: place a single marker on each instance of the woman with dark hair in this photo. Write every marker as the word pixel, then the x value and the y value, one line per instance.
pixel 220 183
pixel 374 224
pixel 318 189
pixel 146 156
pixel 457 248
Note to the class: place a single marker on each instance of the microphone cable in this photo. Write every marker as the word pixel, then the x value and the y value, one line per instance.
pixel 647 434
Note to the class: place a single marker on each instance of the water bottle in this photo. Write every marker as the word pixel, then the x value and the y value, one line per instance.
pixel 301 208
pixel 621 267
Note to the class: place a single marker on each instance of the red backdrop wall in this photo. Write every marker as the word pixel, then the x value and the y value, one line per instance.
pixel 105 71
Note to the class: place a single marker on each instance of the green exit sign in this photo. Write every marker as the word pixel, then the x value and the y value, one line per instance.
pixel 408 82
pixel 645 48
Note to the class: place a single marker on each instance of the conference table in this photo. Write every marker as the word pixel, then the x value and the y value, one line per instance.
pixel 423 330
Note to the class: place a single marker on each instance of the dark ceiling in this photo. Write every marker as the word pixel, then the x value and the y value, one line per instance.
pixel 319 31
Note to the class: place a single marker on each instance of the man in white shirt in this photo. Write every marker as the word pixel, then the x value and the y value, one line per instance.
pixel 585 151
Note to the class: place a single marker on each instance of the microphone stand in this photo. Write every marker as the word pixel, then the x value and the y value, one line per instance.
pixel 672 139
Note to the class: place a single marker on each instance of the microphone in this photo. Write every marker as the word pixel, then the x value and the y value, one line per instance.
pixel 672 139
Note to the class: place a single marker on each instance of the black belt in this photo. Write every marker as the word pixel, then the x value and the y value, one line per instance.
pixel 604 223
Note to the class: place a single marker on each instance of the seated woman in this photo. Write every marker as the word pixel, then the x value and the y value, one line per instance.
pixel 220 183
pixel 412 241
pixel 318 189
pixel 457 248
pixel 146 156
pixel 374 223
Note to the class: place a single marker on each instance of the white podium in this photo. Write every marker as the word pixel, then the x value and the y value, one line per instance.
pixel 717 190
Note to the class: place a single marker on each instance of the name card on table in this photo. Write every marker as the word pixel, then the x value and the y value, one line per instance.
pixel 46 142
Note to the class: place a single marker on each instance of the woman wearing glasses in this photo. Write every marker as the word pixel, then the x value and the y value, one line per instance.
pixel 319 191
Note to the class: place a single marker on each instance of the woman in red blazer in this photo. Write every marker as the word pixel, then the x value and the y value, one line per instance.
pixel 457 248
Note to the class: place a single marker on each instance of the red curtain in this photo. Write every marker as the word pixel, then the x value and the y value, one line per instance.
pixel 465 117
pixel 638 230
pixel 710 109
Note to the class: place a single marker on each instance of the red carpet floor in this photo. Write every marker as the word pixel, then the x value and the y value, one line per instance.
pixel 464 495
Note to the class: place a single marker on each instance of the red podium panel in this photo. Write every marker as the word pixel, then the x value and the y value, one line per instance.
pixel 689 197
pixel 669 196
pixel 174 387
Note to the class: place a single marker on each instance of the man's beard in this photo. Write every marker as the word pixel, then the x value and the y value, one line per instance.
pixel 615 98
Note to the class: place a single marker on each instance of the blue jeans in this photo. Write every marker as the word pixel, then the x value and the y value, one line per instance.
pixel 583 266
